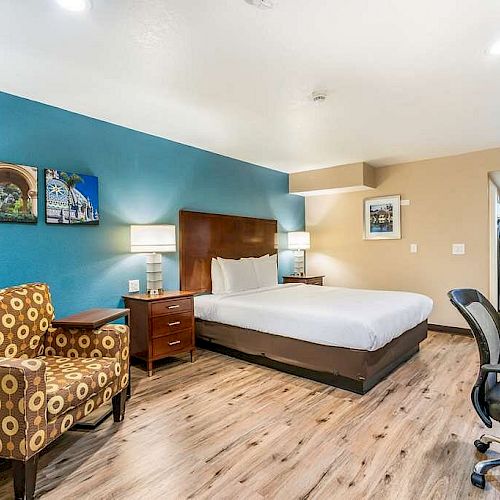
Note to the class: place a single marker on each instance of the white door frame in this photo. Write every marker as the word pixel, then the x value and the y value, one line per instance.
pixel 493 215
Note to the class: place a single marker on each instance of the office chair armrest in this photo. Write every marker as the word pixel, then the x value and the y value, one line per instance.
pixel 490 368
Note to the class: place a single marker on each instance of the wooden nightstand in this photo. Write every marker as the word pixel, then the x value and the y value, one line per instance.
pixel 160 325
pixel 307 280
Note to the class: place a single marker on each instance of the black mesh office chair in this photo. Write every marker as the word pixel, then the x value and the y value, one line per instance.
pixel 484 321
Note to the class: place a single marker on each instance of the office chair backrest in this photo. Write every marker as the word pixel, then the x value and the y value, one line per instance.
pixel 484 322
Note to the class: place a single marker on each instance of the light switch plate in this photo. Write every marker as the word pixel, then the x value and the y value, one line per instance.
pixel 413 248
pixel 458 248
pixel 405 203
pixel 133 286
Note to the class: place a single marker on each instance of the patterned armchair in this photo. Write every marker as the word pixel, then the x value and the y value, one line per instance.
pixel 50 378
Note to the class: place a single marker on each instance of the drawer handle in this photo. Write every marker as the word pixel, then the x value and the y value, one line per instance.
pixel 173 343
pixel 174 307
pixel 174 323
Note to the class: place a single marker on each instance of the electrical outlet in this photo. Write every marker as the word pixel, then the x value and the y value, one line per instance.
pixel 133 286
pixel 458 249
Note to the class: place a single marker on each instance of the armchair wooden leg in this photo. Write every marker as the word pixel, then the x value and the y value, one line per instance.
pixel 24 478
pixel 119 405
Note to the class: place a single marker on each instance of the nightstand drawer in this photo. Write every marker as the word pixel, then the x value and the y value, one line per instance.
pixel 171 323
pixel 180 341
pixel 171 306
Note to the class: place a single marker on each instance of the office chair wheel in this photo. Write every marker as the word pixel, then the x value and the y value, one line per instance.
pixel 480 446
pixel 478 480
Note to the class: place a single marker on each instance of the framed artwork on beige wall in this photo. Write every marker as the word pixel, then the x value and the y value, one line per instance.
pixel 382 218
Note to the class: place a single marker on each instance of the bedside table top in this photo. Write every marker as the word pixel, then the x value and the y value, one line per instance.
pixel 304 277
pixel 168 294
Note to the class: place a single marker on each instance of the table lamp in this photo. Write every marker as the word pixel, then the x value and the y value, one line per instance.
pixel 299 241
pixel 153 240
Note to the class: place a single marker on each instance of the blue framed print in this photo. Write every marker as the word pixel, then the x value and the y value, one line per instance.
pixel 71 198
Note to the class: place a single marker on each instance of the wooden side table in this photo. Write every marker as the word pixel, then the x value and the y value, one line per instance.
pixel 307 280
pixel 92 319
pixel 161 325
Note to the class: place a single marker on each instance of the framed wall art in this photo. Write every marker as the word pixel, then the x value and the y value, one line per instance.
pixel 382 218
pixel 18 193
pixel 71 198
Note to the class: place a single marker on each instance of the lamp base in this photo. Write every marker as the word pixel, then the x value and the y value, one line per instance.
pixel 154 273
pixel 298 265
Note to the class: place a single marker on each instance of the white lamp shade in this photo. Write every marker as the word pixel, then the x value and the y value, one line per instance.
pixel 299 240
pixel 149 239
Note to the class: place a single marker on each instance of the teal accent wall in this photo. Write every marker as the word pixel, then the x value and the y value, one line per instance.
pixel 143 179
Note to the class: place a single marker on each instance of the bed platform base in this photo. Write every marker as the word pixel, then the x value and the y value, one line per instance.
pixel 350 369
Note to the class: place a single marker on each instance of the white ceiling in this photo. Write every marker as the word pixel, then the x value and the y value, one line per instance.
pixel 407 79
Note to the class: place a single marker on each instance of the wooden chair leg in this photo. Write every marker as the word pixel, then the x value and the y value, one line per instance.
pixel 24 478
pixel 119 405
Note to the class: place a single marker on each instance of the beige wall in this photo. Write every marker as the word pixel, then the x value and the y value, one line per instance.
pixel 352 177
pixel 448 204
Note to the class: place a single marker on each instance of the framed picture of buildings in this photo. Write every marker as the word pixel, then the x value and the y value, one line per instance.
pixel 71 198
pixel 382 218
pixel 18 193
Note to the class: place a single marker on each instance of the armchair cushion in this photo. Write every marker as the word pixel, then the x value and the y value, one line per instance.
pixel 72 381
pixel 25 315
pixel 110 341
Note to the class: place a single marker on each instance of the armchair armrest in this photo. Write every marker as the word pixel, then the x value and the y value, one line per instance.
pixel 490 368
pixel 23 408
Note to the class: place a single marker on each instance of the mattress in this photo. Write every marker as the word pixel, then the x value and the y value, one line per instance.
pixel 332 316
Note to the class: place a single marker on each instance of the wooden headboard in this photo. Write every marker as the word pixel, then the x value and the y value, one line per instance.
pixel 203 236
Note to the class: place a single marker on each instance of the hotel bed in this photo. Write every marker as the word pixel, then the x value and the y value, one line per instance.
pixel 344 337
pixel 340 317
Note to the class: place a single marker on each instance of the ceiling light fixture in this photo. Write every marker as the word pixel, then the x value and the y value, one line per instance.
pixel 261 4
pixel 319 96
pixel 75 5
pixel 494 50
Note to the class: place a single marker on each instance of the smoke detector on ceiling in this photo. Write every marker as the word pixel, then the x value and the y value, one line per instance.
pixel 261 4
pixel 319 96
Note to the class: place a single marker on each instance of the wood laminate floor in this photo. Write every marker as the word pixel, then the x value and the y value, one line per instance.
pixel 223 428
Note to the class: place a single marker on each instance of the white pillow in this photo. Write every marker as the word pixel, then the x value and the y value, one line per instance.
pixel 218 285
pixel 239 275
pixel 266 270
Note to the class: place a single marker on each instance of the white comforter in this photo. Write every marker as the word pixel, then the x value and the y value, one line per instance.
pixel 342 317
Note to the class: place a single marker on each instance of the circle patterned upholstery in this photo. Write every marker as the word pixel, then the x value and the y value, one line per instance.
pixel 26 313
pixel 71 381
pixel 51 377
pixel 23 418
